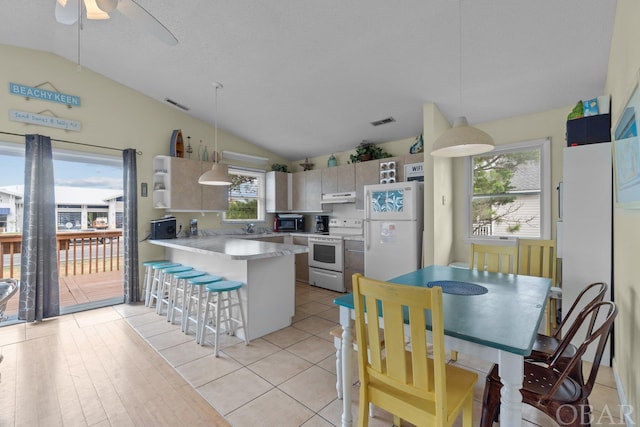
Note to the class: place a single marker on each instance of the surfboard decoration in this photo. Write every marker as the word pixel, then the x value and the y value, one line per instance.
pixel 177 144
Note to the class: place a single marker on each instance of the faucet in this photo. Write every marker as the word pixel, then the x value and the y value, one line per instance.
pixel 250 228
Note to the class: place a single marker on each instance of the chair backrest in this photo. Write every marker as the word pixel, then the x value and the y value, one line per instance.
pixel 392 305
pixel 495 258
pixel 600 317
pixel 537 258
pixel 590 295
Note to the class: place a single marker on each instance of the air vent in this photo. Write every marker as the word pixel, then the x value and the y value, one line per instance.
pixel 175 104
pixel 383 121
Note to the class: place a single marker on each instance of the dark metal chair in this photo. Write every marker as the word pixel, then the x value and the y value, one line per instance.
pixel 553 387
pixel 545 346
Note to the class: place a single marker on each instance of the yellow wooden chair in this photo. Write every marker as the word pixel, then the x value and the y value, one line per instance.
pixel 408 384
pixel 538 258
pixel 495 258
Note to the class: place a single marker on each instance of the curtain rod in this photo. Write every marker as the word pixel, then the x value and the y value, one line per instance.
pixel 74 142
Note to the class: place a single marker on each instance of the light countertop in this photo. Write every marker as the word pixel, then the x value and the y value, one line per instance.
pixel 232 247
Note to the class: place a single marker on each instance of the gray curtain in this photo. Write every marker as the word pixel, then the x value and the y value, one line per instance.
pixel 39 294
pixel 130 231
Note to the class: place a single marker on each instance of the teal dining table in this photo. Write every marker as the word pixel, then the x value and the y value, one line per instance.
pixel 492 316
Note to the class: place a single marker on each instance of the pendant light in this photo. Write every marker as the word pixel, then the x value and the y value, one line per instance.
pixel 461 139
pixel 219 173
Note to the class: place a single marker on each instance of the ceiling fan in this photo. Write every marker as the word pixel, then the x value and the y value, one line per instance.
pixel 68 11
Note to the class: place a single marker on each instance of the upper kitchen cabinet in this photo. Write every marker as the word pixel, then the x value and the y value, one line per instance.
pixel 214 197
pixel 176 188
pixel 339 179
pixel 278 190
pixel 306 191
pixel 366 173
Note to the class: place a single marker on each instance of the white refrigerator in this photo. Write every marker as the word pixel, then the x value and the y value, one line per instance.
pixel 393 229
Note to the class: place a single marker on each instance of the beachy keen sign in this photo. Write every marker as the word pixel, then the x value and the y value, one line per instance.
pixel 43 94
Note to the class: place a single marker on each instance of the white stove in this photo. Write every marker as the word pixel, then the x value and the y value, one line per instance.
pixel 340 227
pixel 326 253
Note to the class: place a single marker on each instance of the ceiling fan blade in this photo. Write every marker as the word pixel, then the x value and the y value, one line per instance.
pixel 138 14
pixel 67 11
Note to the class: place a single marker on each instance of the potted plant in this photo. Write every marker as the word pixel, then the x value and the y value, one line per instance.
pixel 368 151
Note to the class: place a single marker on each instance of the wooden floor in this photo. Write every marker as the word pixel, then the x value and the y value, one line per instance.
pixel 88 370
pixel 82 289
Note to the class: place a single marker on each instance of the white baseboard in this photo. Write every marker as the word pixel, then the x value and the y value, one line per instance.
pixel 628 421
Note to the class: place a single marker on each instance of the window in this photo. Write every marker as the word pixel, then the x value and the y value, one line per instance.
pixel 509 192
pixel 246 196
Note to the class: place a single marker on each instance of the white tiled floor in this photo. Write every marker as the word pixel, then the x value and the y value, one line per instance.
pixel 286 378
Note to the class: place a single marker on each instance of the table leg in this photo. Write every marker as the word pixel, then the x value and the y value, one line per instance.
pixel 511 370
pixel 347 365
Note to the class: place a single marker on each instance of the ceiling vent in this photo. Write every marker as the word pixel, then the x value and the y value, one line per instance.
pixel 383 121
pixel 175 104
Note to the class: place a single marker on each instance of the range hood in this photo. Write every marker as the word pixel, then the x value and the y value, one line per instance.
pixel 346 197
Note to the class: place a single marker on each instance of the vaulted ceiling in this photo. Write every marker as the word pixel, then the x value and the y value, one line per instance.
pixel 307 77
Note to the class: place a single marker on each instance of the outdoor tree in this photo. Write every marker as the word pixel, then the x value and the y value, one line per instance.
pixel 493 201
pixel 241 206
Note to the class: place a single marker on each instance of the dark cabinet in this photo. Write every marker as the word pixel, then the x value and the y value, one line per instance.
pixel 589 130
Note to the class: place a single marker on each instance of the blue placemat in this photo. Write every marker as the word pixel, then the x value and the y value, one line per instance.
pixel 458 288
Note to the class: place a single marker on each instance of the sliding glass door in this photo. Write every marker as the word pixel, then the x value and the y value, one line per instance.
pixel 89 218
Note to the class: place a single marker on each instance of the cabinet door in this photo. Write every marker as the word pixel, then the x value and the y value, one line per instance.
pixel 366 173
pixel 302 260
pixel 313 189
pixel 353 261
pixel 277 189
pixel 214 197
pixel 298 202
pixel 346 178
pixel 330 180
pixel 186 194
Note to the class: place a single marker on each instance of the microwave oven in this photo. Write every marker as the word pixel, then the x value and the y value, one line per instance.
pixel 289 222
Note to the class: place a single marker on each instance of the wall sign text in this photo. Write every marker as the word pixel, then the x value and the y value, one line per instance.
pixel 46 95
pixel 42 120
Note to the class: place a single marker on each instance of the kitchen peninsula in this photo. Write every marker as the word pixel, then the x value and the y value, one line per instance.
pixel 266 268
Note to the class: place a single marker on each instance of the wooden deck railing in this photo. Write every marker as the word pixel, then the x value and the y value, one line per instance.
pixel 79 252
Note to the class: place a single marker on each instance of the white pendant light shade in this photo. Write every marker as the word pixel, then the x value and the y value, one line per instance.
pixel 217 175
pixel 462 140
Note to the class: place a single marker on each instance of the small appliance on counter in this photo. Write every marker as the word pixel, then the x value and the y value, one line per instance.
pixel 321 224
pixel 289 222
pixel 193 227
pixel 163 228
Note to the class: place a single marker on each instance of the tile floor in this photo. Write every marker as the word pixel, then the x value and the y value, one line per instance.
pixel 288 378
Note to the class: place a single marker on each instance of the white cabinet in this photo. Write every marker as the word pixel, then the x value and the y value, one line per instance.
pixel 586 222
pixel 176 188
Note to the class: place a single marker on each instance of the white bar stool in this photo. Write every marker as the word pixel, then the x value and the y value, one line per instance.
pixel 195 301
pixel 222 297
pixel 156 282
pixel 179 297
pixel 166 290
pixel 148 276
